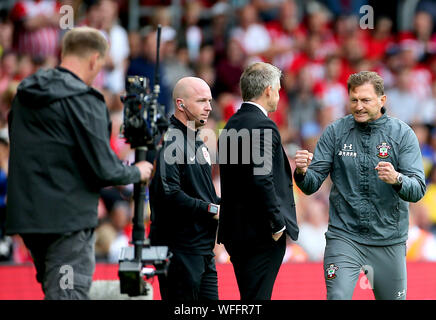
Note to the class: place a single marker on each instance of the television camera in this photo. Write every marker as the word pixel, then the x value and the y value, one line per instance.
pixel 144 122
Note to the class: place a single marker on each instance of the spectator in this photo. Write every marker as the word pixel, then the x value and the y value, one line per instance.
pixel 251 35
pixel 176 63
pixel 36 27
pixel 145 66
pixel 120 218
pixel 5 106
pixel 207 73
pixel 8 65
pixel 380 39
pixel 429 199
pixel 294 253
pixel 352 51
pixel 6 35
pixel 420 76
pixel 229 69
pixel 217 31
pixel 286 36
pixel 310 133
pixel 134 45
pixel 318 23
pixel 206 55
pixel 423 134
pixel 421 244
pixel 191 33
pixel 390 65
pixel 421 39
pixel 427 109
pixel 331 92
pixel 25 67
pixel 312 230
pixel 304 107
pixel 204 67
pixel 175 59
pixel 162 17
pixel 402 103
pixel 111 234
pixel 93 19
pixel 268 9
pixel 311 57
pixel 116 64
pixel 118 144
pixel 340 8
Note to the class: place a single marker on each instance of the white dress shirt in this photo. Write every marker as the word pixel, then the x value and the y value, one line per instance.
pixel 259 106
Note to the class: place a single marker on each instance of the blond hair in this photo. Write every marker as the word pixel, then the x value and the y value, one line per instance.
pixel 82 41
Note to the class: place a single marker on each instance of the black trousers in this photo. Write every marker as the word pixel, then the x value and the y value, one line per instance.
pixel 256 271
pixel 190 278
pixel 64 263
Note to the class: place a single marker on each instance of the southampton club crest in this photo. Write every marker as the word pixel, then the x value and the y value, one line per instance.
pixel 383 150
pixel 331 271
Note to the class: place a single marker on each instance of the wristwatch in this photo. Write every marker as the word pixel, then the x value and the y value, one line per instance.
pixel 212 208
pixel 399 179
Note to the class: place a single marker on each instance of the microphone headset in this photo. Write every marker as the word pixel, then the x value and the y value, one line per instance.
pixel 183 106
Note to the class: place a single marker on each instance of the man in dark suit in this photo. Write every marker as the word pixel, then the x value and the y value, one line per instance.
pixel 257 202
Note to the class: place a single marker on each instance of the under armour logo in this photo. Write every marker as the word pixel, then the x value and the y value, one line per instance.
pixel 349 147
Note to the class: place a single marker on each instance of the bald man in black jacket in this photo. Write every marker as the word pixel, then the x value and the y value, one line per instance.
pixel 183 201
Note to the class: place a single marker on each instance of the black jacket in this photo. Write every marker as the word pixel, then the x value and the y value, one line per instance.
pixel 254 206
pixel 180 193
pixel 60 156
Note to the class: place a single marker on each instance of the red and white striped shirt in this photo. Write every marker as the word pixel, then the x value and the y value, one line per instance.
pixel 41 42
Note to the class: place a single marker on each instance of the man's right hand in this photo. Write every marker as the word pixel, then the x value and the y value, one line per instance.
pixel 146 169
pixel 302 160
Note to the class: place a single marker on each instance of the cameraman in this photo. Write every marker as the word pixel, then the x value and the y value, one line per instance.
pixel 60 158
pixel 184 205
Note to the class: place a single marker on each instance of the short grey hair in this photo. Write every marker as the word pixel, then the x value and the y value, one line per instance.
pixel 256 78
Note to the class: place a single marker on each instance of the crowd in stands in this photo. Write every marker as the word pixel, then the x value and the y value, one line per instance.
pixel 316 44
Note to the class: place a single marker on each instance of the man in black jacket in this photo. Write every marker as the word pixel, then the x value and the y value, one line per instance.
pixel 60 158
pixel 184 205
pixel 257 202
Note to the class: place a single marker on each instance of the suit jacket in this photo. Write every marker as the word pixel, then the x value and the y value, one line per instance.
pixel 256 185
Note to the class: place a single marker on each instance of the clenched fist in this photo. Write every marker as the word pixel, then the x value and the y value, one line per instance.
pixel 386 172
pixel 302 160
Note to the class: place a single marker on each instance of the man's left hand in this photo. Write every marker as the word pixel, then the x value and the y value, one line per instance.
pixel 386 172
